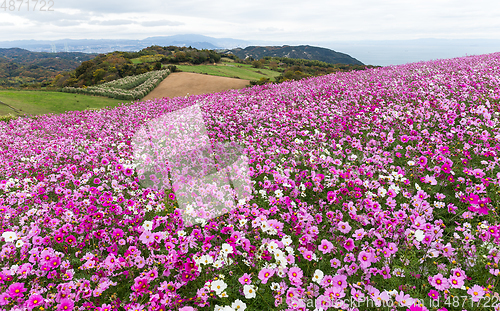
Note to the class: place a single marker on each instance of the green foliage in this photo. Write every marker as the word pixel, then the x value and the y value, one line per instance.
pixel 7 118
pixel 22 68
pixel 261 81
pixel 173 68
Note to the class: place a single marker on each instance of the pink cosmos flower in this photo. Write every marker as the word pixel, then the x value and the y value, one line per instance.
pixel 323 302
pixel 265 274
pixel 340 281
pixel 365 259
pixel 446 168
pixel 128 171
pixel 439 282
pixel 344 227
pixel 245 279
pixel 455 282
pixel 70 239
pixel 477 292
pixel 295 274
pixel 4 299
pixel 404 299
pixel 308 255
pixel 458 273
pixel 325 247
pixel 140 285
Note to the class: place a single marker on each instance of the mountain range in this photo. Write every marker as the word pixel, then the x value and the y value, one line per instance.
pixel 380 53
pixel 111 45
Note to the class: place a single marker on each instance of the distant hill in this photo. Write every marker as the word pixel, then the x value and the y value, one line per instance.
pixel 19 66
pixel 301 51
pixel 111 45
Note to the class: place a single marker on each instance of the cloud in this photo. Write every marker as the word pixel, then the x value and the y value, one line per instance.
pixel 270 29
pixel 287 21
pixel 161 23
pixel 113 22
pixel 66 23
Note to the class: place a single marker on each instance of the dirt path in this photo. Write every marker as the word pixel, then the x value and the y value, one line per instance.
pixel 184 83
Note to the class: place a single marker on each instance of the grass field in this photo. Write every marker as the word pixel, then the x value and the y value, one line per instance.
pixel 242 71
pixel 41 102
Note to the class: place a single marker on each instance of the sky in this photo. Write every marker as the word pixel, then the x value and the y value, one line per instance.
pixel 275 20
pixel 285 21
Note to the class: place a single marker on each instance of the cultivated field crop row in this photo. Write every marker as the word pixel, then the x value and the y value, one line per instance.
pixel 128 88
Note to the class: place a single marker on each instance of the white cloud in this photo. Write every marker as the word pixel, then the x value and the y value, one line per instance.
pixel 278 20
pixel 161 23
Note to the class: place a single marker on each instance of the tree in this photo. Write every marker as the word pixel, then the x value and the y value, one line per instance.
pixel 256 64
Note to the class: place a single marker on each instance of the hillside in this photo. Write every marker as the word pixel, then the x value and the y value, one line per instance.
pixel 301 51
pixel 117 65
pixel 382 183
pixel 19 66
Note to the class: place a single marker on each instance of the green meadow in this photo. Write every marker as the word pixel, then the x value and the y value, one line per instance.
pixel 44 102
pixel 231 70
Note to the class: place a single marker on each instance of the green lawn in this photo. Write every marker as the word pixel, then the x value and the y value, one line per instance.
pixel 242 71
pixel 41 102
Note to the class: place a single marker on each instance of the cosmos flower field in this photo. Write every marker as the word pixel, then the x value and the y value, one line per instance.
pixel 371 189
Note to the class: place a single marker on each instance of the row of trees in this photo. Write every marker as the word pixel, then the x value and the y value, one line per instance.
pixel 175 55
pixel 297 69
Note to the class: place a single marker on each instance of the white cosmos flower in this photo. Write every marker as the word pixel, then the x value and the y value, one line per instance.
pixel 218 286
pixel 411 163
pixel 318 276
pixel 286 240
pixel 239 305
pixel 249 291
pixel 147 225
pixel 272 247
pixel 419 235
pixel 19 243
pixel 227 249
pixel 9 236
pixel 381 191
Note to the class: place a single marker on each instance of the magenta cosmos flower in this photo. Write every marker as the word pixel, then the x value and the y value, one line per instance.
pixel 34 301
pixel 422 161
pixel 349 244
pixel 16 290
pixel 66 305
